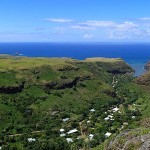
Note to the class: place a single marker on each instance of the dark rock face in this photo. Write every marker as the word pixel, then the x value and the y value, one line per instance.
pixel 68 83
pixel 11 89
pixel 116 68
pixel 67 68
pixel 144 79
pixel 51 84
pixel 110 93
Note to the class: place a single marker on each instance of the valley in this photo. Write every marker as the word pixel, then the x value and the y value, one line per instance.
pixel 64 103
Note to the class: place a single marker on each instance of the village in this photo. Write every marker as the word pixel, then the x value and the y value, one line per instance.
pixel 91 128
pixel 97 126
pixel 104 118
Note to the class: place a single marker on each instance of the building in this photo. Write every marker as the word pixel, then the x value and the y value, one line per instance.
pixel 108 134
pixel 72 131
pixel 31 139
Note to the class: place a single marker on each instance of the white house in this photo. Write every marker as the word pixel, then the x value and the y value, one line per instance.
pixel 88 121
pixel 92 110
pixel 69 140
pixel 72 131
pixel 115 109
pixel 65 119
pixel 62 135
pixel 125 123
pixel 91 136
pixel 108 134
pixel 107 118
pixel 62 130
pixel 110 116
pixel 31 139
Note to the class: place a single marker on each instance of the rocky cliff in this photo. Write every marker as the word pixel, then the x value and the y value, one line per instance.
pixel 147 66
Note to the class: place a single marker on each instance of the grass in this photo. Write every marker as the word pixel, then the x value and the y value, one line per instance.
pixel 8 114
pixel 101 59
pixel 47 74
pixel 144 101
pixel 11 62
pixel 35 92
pixel 8 78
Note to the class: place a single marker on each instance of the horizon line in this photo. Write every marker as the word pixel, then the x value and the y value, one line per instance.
pixel 74 42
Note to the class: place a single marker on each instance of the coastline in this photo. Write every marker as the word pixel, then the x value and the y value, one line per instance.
pixel 135 54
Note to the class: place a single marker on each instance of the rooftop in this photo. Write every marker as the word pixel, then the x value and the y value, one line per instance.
pixel 72 131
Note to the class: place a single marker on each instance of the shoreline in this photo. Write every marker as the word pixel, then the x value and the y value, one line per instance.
pixel 138 66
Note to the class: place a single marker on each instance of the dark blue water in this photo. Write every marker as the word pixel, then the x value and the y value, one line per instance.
pixel 136 54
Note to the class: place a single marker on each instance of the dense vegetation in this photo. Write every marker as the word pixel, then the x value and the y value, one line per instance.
pixel 42 99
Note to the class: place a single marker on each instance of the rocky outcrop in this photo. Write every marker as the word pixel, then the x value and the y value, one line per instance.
pixel 119 67
pixel 68 83
pixel 147 66
pixel 145 139
pixel 129 139
pixel 144 79
pixel 110 93
pixel 67 68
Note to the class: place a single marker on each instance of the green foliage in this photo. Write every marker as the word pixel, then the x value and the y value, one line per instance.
pixel 55 89
pixel 8 79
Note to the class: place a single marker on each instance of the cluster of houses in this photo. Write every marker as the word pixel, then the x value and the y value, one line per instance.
pixel 110 116
pixel 68 133
pixel 114 82
pixel 90 136
pixel 63 134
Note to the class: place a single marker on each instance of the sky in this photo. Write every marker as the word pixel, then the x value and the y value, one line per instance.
pixel 74 21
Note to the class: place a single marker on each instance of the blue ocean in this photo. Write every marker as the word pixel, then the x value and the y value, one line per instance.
pixel 135 54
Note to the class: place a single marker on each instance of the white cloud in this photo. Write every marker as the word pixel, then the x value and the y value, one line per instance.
pixel 118 35
pixel 144 19
pixel 109 29
pixel 58 20
pixel 95 23
pixel 80 27
pixel 88 36
pixel 129 33
pixel 107 24
pixel 131 29
pixel 125 30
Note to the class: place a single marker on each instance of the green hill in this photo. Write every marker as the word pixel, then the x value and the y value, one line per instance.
pixel 40 96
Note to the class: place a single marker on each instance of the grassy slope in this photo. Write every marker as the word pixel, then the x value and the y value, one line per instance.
pixel 41 107
pixel 144 101
pixel 141 101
